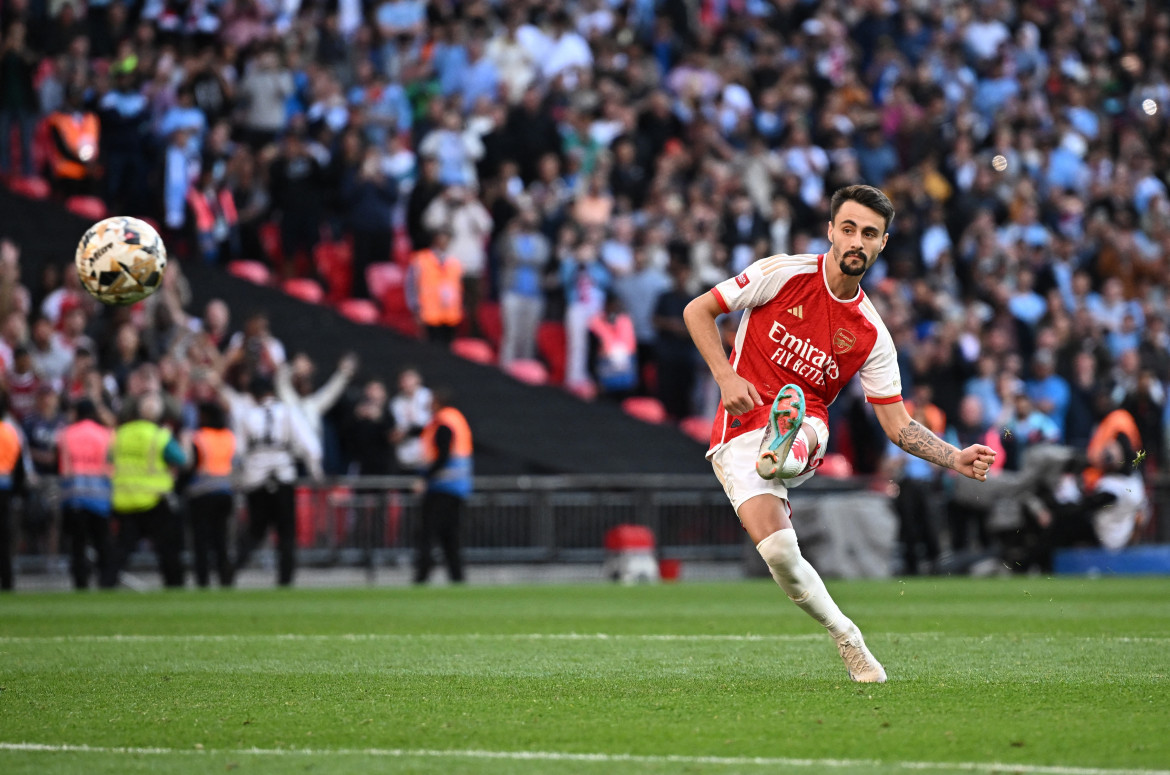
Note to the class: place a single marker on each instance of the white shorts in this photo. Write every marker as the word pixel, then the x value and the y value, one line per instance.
pixel 735 466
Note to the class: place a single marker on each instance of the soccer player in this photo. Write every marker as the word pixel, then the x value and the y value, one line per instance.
pixel 807 328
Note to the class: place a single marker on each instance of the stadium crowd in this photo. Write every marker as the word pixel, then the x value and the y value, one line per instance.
pixel 600 162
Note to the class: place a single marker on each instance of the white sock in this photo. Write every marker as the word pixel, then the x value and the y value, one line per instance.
pixel 800 581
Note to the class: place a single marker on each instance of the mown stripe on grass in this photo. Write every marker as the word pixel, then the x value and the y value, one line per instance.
pixel 601 758
pixel 522 636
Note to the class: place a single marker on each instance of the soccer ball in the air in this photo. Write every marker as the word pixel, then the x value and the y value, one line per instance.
pixel 121 260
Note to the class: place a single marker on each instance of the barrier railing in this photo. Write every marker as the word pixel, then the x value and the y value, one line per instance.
pixel 371 521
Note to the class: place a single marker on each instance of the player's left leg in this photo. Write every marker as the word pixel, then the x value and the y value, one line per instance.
pixel 789 443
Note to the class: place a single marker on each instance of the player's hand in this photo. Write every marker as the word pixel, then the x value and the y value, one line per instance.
pixel 975 461
pixel 739 395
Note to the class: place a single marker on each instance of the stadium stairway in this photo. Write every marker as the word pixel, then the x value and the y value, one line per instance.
pixel 519 428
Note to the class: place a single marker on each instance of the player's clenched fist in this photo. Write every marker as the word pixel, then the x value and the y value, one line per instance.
pixel 739 395
pixel 975 462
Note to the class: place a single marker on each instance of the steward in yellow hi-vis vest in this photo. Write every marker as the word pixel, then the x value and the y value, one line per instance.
pixel 11 480
pixel 142 455
pixel 447 481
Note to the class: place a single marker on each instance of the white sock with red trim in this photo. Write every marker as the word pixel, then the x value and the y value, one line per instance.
pixel 801 582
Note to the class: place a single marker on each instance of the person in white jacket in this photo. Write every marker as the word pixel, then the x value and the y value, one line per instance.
pixel 294 387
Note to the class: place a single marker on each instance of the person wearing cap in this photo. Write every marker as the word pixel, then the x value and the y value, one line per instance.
pixel 85 492
pixel 143 455
pixel 272 437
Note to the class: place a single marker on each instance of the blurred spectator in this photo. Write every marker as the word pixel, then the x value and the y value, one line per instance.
pixel 586 282
pixel 1048 390
pixel 210 497
pixel 142 455
pixel 294 387
pixel 297 182
pixel 369 432
pixel 434 289
pixel 370 198
pixel 75 133
pixel 445 485
pixel 255 347
pixel 51 357
pixel 85 493
pixel 12 479
pixel 525 253
pixel 214 218
pixel 916 480
pixel 615 348
pixel 272 439
pixel 42 427
pixel 263 91
pixel 459 212
pixel 676 354
pixel 18 98
pixel 411 407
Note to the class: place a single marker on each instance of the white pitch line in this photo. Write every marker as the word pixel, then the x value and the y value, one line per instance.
pixel 568 636
pixel 601 758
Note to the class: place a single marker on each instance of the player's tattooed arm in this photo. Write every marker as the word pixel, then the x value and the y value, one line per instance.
pixel 916 439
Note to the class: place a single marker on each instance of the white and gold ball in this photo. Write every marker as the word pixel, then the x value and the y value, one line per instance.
pixel 121 260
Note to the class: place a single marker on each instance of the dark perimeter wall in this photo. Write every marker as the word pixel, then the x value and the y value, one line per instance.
pixel 518 428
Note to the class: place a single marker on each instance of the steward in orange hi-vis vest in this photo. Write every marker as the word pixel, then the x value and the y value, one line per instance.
pixel 450 472
pixel 438 283
pixel 11 480
pixel 447 445
pixel 76 133
pixel 211 502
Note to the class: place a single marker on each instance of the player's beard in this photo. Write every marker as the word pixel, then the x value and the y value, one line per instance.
pixel 848 267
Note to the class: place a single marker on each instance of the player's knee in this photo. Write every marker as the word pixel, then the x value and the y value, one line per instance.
pixel 782 554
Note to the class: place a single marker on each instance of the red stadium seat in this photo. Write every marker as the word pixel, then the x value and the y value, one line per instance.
pixel 836 466
pixel 528 371
pixel 270 241
pixel 475 350
pixel 87 207
pixel 488 316
pixel 252 271
pixel 698 428
pixel 335 266
pixel 361 311
pixel 381 277
pixel 401 250
pixel 304 289
pixel 33 188
pixel 645 409
pixel 586 390
pixel 551 344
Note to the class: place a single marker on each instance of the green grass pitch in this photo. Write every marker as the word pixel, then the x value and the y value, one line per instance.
pixel 1028 675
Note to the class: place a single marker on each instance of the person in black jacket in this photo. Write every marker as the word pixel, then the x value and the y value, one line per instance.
pixel 297 183
pixel 18 98
pixel 369 197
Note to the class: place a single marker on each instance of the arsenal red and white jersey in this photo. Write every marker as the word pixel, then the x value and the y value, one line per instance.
pixel 795 330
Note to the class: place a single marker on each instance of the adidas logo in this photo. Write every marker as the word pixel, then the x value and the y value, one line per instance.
pixel 798 311
pixel 735 423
